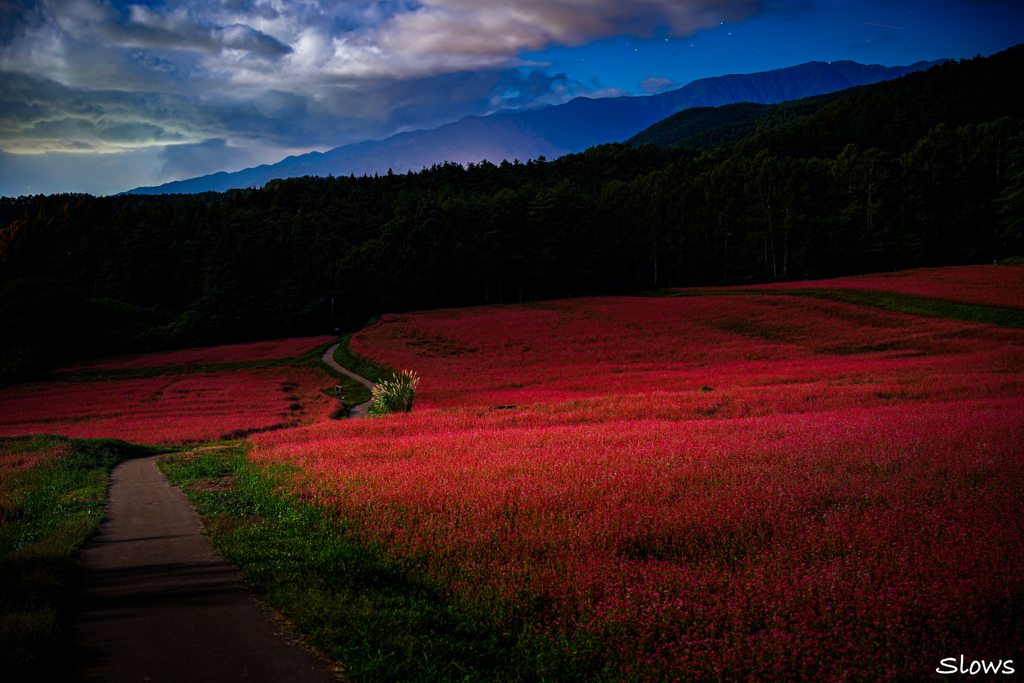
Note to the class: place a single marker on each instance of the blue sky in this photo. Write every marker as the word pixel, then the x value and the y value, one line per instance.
pixel 100 96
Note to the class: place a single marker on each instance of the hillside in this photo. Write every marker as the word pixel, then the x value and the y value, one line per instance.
pixel 550 132
pixel 890 116
pixel 704 128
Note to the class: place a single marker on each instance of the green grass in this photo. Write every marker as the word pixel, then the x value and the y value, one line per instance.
pixel 364 367
pixel 373 619
pixel 352 393
pixel 47 513
pixel 918 305
pixel 890 301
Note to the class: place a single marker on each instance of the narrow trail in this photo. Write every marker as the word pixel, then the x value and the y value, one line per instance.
pixel 362 409
pixel 157 603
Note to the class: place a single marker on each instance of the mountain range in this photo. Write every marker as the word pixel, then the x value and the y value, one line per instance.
pixel 551 131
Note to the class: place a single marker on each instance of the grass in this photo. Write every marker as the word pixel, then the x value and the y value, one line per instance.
pixel 351 393
pixel 917 305
pixel 890 301
pixel 377 623
pixel 375 372
pixel 48 512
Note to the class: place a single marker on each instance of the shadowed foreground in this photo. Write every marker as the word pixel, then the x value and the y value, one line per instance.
pixel 158 604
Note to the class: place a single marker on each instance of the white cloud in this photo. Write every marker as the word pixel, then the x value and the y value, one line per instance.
pixel 108 76
pixel 652 86
pixel 506 28
pixel 605 92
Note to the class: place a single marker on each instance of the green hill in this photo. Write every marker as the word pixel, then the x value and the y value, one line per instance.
pixel 704 128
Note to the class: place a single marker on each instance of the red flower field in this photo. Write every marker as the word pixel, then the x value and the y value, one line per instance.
pixel 177 407
pixel 702 488
pixel 748 486
pixel 556 351
pixel 998 286
pixel 214 355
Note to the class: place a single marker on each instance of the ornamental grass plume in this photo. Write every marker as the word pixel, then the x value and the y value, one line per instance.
pixel 396 395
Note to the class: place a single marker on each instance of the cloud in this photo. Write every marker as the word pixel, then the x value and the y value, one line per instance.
pixel 506 28
pixel 208 77
pixel 316 44
pixel 209 156
pixel 652 86
pixel 605 92
pixel 39 115
pixel 518 90
pixel 98 174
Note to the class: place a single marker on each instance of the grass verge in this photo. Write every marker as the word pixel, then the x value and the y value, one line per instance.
pixel 917 305
pixel 371 618
pixel 350 392
pixel 53 494
pixel 890 301
pixel 364 367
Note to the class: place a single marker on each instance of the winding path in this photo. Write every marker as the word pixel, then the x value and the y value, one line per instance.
pixel 362 409
pixel 157 603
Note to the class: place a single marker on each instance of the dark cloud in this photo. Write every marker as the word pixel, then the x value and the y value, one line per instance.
pixel 210 156
pixel 179 30
pixel 43 115
pixel 262 10
pixel 517 90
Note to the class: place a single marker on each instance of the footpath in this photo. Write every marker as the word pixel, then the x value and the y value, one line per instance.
pixel 157 603
pixel 362 409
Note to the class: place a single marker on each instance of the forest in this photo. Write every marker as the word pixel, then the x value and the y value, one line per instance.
pixel 926 170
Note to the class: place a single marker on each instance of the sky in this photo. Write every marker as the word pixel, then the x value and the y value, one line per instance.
pixel 101 96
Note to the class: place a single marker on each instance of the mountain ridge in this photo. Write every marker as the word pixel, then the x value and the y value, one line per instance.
pixel 549 131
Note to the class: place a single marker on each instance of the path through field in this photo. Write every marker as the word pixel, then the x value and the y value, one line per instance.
pixel 157 603
pixel 362 409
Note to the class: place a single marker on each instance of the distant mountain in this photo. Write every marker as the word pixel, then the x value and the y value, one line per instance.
pixel 892 116
pixel 550 132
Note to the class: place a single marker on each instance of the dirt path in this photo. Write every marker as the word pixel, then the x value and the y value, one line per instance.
pixel 159 604
pixel 362 409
